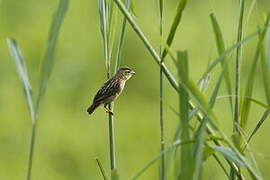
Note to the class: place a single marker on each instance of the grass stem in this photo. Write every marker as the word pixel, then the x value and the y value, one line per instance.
pixel 162 139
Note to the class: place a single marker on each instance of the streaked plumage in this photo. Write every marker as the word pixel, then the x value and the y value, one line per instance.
pixel 111 89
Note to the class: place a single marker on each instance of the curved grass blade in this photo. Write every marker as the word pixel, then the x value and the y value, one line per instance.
pixel 23 75
pixel 251 77
pixel 250 99
pixel 257 127
pixel 101 169
pixel 157 158
pixel 237 159
pixel 48 61
pixel 265 66
pixel 221 49
pixel 229 51
pixel 176 22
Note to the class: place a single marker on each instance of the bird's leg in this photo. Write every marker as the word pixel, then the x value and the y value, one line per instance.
pixel 108 110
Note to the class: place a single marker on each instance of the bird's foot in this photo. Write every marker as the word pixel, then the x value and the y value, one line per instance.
pixel 109 111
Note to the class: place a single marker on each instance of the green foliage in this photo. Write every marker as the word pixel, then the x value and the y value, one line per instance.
pixel 196 132
pixel 23 75
pixel 48 61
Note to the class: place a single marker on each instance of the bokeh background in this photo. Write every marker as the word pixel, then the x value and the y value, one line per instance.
pixel 68 139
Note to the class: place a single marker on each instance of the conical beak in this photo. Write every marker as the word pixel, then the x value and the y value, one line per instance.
pixel 133 72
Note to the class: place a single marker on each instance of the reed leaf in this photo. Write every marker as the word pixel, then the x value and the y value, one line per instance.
pixel 177 19
pixel 221 49
pixel 265 65
pixel 257 127
pixel 251 77
pixel 48 61
pixel 23 75
pixel 101 169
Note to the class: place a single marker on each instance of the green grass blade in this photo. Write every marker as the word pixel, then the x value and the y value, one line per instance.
pixel 260 103
pixel 251 77
pixel 176 22
pixel 121 39
pixel 157 158
pixel 265 66
pixel 199 150
pixel 237 159
pixel 257 127
pixel 221 49
pixel 186 156
pixel 237 66
pixel 101 169
pixel 230 154
pixel 229 51
pixel 23 75
pixel 48 61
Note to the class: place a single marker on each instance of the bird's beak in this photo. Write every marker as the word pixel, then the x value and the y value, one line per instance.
pixel 133 72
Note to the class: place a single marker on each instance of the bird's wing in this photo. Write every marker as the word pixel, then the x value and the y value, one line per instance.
pixel 110 88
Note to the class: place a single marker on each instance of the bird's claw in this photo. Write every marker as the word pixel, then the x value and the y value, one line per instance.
pixel 109 111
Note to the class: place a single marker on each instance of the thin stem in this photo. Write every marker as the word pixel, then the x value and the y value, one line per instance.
pixel 102 170
pixel 162 139
pixel 31 152
pixel 112 140
pixel 237 75
pixel 237 66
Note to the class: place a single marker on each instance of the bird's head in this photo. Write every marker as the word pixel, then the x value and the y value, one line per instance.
pixel 124 73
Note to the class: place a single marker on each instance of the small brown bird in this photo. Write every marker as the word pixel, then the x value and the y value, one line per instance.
pixel 111 89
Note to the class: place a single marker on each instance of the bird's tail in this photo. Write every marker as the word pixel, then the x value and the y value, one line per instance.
pixel 91 109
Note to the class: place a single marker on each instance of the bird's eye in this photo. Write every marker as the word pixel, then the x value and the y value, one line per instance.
pixel 127 72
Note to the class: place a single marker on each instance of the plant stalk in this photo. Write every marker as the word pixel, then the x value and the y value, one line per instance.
pixel 237 77
pixel 162 139
pixel 31 152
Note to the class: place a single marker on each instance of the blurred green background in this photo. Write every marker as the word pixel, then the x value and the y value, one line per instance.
pixel 68 139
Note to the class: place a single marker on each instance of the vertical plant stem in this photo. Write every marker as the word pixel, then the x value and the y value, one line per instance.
pixel 106 18
pixel 112 140
pixel 31 152
pixel 237 76
pixel 162 139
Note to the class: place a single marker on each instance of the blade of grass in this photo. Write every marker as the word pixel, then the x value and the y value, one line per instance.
pixel 161 118
pixel 229 51
pixel 176 22
pixel 48 61
pixel 157 158
pixel 257 127
pixel 221 49
pixel 101 169
pixel 23 75
pixel 237 77
pixel 250 82
pixel 46 71
pixel 260 103
pixel 265 66
pixel 121 39
pixel 186 156
pixel 199 151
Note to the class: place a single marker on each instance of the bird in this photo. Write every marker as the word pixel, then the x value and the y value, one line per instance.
pixel 111 89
